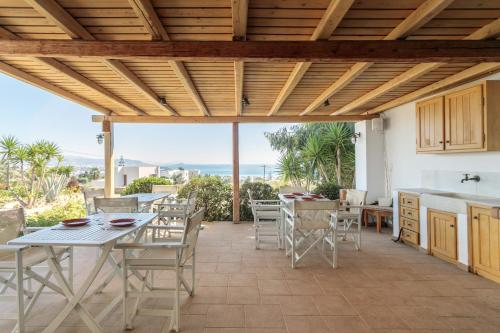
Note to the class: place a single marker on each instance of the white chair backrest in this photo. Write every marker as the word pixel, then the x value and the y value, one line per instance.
pixel 191 202
pixel 116 205
pixel 190 235
pixel 170 189
pixel 355 198
pixel 88 196
pixel 292 189
pixel 12 224
pixel 250 201
pixel 314 214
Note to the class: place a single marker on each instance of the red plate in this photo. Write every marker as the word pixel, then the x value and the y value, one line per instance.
pixel 75 222
pixel 290 196
pixel 308 199
pixel 297 193
pixel 317 196
pixel 122 222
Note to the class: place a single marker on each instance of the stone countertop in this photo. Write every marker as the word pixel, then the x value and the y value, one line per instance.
pixel 419 190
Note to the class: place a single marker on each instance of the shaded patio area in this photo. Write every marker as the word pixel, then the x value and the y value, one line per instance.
pixel 386 287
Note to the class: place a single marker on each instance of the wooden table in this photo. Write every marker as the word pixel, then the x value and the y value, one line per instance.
pixel 95 234
pixel 378 212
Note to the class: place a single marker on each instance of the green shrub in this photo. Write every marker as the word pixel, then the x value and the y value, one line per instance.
pixel 145 184
pixel 5 197
pixel 213 194
pixel 260 191
pixel 329 190
pixel 73 208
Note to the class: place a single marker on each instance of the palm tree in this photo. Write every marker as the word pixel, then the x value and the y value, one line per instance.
pixel 315 153
pixel 8 145
pixel 338 137
pixel 20 158
pixel 291 169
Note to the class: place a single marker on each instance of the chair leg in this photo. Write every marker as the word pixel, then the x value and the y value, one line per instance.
pixel 193 273
pixel 20 292
pixel 70 267
pixel 293 248
pixel 124 292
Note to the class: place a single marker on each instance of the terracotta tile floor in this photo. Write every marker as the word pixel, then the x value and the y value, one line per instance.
pixel 386 287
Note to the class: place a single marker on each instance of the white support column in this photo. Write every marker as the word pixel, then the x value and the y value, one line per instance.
pixel 109 159
pixel 236 174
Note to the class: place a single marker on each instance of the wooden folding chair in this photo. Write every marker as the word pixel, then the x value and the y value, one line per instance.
pixel 348 218
pixel 160 256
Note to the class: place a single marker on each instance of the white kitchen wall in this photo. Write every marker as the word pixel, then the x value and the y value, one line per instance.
pixel 435 171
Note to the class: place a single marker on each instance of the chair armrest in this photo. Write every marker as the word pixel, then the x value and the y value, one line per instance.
pixel 29 230
pixel 267 207
pixel 159 245
pixel 267 201
pixel 12 248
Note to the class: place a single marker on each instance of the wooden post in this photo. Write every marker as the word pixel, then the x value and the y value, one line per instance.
pixel 109 159
pixel 236 174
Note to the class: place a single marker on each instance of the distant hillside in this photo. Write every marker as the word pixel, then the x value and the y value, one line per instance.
pixel 81 161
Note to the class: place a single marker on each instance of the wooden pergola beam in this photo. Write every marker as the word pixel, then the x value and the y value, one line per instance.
pixel 490 30
pixel 328 23
pixel 239 14
pixel 37 82
pixel 72 74
pixel 470 73
pixel 67 23
pixel 145 11
pixel 122 70
pixel 423 14
pixel 231 119
pixel 381 51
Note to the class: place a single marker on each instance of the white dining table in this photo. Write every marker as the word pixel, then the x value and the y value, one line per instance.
pixel 97 233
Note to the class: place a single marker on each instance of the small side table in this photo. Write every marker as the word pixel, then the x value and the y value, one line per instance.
pixel 379 212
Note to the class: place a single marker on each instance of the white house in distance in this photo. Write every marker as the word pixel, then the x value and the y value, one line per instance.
pixel 124 175
pixel 185 174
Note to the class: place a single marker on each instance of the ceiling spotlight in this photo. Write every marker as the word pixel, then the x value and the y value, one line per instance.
pixel 245 101
pixel 163 101
pixel 326 103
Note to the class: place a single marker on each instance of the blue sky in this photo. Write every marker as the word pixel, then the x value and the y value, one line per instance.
pixel 32 114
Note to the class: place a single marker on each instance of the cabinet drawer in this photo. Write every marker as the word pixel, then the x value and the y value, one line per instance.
pixel 409 213
pixel 408 200
pixel 410 236
pixel 409 224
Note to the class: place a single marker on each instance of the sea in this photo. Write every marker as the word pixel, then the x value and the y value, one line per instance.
pixel 246 170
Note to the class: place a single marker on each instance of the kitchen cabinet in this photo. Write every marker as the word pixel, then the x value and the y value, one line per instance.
pixel 464 120
pixel 430 124
pixel 443 234
pixel 409 218
pixel 485 231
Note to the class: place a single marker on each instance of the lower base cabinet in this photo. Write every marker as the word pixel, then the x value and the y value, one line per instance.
pixel 485 243
pixel 443 235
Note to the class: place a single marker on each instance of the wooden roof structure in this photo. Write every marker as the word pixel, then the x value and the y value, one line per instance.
pixel 247 60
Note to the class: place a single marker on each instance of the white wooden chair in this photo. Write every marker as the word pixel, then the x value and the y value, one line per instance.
pixel 347 219
pixel 175 213
pixel 116 205
pixel 307 225
pixel 292 189
pixel 88 195
pixel 160 256
pixel 267 220
pixel 21 263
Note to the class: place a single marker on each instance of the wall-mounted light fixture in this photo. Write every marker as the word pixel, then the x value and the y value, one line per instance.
pixel 121 162
pixel 326 103
pixel 355 136
pixel 100 138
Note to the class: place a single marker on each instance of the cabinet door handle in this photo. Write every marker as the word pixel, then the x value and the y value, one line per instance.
pixel 475 217
pixel 447 141
pixel 440 141
pixel 452 226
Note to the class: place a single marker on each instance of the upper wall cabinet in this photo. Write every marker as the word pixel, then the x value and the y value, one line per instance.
pixel 465 120
pixel 430 126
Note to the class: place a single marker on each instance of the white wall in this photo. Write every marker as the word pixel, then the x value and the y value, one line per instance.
pixel 436 171
pixel 370 161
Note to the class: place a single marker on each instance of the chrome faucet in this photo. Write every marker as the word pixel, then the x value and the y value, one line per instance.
pixel 467 178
